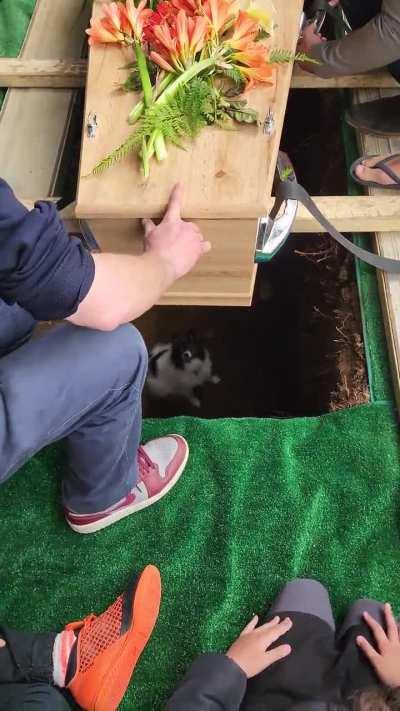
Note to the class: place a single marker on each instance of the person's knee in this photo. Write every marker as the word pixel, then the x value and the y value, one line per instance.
pixel 121 352
pixel 130 347
pixel 306 583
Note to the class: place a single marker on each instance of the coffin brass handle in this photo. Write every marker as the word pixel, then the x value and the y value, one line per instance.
pixel 274 229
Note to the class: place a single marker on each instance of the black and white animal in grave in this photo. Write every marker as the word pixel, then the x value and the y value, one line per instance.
pixel 180 368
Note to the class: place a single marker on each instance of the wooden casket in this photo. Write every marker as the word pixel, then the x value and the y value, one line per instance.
pixel 227 175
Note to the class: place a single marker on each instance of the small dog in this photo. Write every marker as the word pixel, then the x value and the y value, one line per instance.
pixel 180 368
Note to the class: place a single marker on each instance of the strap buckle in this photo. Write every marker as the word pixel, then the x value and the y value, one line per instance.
pixel 274 229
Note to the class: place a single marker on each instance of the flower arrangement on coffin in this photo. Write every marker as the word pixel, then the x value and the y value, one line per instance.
pixel 193 60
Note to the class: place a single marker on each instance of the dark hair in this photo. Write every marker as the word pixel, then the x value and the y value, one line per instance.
pixel 378 698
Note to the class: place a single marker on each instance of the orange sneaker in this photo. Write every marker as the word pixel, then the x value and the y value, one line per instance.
pixel 108 646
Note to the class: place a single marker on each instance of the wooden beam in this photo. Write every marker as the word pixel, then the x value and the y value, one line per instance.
pixel 387 245
pixel 33 124
pixel 378 79
pixel 353 214
pixel 42 73
pixel 347 214
pixel 71 74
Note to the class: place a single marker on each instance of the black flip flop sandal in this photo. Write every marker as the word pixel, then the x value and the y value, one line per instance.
pixel 381 165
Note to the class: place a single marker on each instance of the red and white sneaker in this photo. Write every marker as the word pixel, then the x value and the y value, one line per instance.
pixel 161 463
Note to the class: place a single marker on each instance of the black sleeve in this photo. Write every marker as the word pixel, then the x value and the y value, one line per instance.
pixel 41 268
pixel 213 683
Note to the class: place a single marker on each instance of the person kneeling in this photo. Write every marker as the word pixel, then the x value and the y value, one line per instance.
pixel 298 661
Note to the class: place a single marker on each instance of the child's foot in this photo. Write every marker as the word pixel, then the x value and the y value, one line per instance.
pixel 108 646
pixel 366 171
pixel 161 463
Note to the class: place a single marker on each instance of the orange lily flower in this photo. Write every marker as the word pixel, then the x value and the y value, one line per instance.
pixel 137 17
pixel 114 13
pixel 191 7
pixel 253 56
pixel 256 75
pixel 176 41
pixel 100 32
pixel 198 34
pixel 158 59
pixel 245 30
pixel 220 13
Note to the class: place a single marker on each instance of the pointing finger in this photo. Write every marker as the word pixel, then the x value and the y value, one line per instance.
pixel 175 203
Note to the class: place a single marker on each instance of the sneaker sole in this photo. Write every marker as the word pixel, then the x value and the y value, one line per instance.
pixel 146 606
pixel 133 508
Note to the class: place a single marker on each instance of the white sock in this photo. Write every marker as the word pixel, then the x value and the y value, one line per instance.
pixel 63 644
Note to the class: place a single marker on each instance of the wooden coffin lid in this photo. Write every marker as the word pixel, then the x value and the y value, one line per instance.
pixel 225 173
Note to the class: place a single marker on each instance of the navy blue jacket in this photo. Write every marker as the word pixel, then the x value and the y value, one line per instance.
pixel 42 269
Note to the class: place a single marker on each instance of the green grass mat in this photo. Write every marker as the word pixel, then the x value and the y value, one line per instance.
pixel 261 502
pixel 14 19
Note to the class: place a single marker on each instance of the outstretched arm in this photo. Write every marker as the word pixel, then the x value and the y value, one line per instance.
pixel 125 286
pixel 375 45
pixel 54 277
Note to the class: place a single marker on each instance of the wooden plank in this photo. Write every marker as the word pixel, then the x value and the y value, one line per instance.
pixel 43 73
pixel 377 79
pixel 222 278
pixel 227 173
pixel 387 245
pixel 39 117
pixel 353 214
pixel 64 74
pixel 347 214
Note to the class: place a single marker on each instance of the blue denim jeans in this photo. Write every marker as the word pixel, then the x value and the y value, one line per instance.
pixel 359 12
pixel 78 385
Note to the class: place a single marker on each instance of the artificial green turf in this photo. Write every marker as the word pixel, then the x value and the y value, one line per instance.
pixel 261 502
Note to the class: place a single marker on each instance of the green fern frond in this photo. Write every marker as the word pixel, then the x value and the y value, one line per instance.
pixel 117 155
pixel 284 56
pixel 182 117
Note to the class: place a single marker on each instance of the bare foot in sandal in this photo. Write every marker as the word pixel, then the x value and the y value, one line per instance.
pixel 368 173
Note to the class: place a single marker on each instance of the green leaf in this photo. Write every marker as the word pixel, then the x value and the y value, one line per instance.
pixel 284 56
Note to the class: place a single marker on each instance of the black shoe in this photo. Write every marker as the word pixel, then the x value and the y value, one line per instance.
pixel 380 117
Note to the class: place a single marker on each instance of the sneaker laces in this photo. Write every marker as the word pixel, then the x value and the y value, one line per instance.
pixel 79 624
pixel 146 465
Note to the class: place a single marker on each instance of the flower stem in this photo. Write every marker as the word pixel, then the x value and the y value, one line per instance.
pixel 159 143
pixel 170 92
pixel 144 74
pixel 184 78
pixel 138 110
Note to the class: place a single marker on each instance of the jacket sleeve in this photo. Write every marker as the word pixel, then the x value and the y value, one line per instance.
pixel 41 267
pixel 375 45
pixel 213 683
